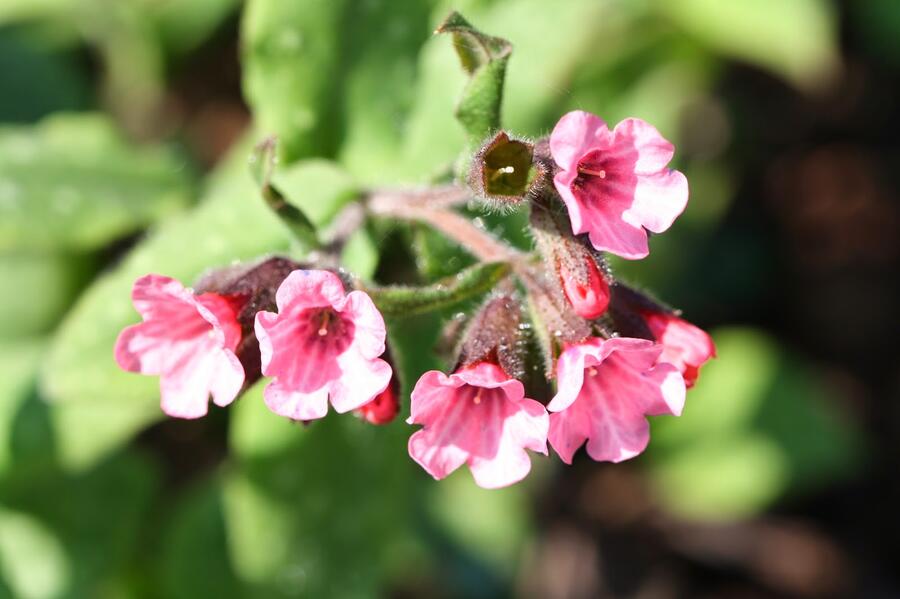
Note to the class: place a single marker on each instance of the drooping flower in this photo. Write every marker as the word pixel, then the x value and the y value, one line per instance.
pixel 383 409
pixel 322 344
pixel 606 388
pixel 616 183
pixel 188 341
pixel 590 295
pixel 685 346
pixel 477 416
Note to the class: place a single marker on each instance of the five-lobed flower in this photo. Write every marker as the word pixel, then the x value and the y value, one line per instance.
pixel 605 390
pixel 478 416
pixel 323 344
pixel 616 184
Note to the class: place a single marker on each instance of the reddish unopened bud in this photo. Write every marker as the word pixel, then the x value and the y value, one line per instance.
pixel 586 289
pixel 384 408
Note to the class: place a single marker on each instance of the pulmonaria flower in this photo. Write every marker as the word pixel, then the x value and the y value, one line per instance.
pixel 477 416
pixel 685 346
pixel 383 409
pixel 606 388
pixel 188 341
pixel 588 293
pixel 321 344
pixel 616 183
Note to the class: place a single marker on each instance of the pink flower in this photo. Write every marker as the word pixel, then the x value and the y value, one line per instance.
pixel 685 346
pixel 605 390
pixel 383 409
pixel 477 416
pixel 615 183
pixel 321 344
pixel 589 299
pixel 187 340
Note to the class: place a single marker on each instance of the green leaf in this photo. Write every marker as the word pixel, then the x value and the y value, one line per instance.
pixel 262 162
pixel 484 59
pixel 758 424
pixel 41 287
pixel 290 53
pixel 97 515
pixel 797 39
pixel 195 561
pixel 297 524
pixel 32 559
pixel 19 361
pixel 380 44
pixel 474 280
pixel 72 182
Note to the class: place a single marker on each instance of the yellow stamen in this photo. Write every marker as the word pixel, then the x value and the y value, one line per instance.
pixel 477 398
pixel 592 372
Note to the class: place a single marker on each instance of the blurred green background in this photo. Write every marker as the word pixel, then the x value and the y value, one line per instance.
pixel 125 127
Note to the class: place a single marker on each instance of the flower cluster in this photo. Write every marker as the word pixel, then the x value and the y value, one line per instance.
pixel 614 355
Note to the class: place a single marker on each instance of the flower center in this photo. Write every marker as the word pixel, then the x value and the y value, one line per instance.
pixel 325 326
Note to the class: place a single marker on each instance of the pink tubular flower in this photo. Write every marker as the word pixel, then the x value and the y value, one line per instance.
pixel 615 183
pixel 187 340
pixel 605 390
pixel 589 300
pixel 322 343
pixel 477 416
pixel 685 346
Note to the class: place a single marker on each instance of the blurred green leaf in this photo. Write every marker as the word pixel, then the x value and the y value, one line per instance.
pixel 757 425
pixel 380 45
pixel 96 515
pixel 32 559
pixel 45 81
pixel 195 560
pixel 290 53
pixel 724 478
pixel 796 40
pixel 38 287
pixel 185 24
pixel 19 361
pixel 255 431
pixel 72 182
pixel 491 525
pixel 299 526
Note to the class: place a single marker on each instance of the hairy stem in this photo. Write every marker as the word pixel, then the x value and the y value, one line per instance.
pixel 433 210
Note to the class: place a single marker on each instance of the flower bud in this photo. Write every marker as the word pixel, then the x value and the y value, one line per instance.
pixel 384 408
pixel 585 288
pixel 494 335
pixel 584 284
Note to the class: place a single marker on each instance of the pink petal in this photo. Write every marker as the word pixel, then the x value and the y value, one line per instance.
pixel 576 134
pixel 437 459
pixel 296 405
pixel 361 380
pixel 619 384
pixel 659 199
pixel 653 150
pixel 369 330
pixel 309 288
pixel 188 343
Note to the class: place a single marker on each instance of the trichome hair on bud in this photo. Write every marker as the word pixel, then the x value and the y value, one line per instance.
pixel 494 335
